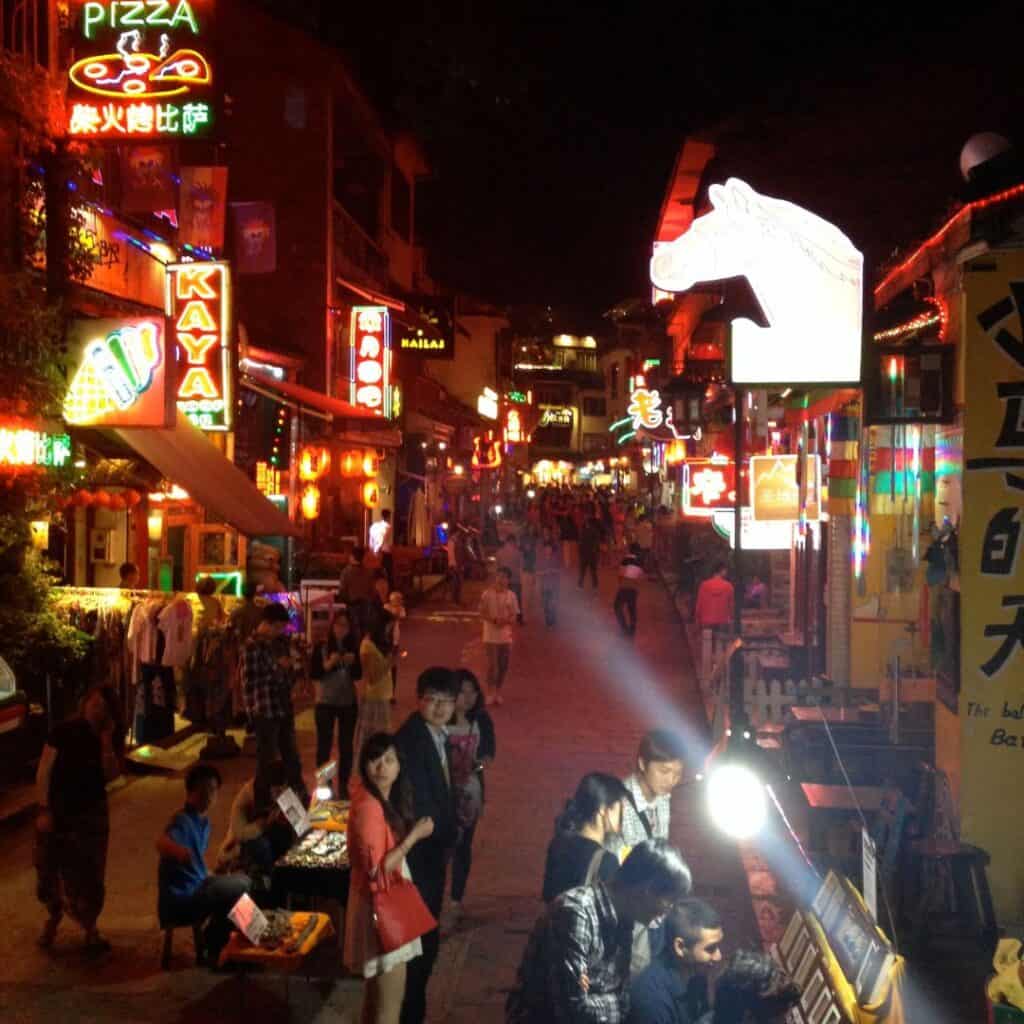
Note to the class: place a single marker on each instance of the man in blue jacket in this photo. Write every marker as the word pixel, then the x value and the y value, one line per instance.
pixel 673 989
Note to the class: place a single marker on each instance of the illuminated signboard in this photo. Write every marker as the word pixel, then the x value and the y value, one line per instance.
pixel 370 348
pixel 514 433
pixel 486 452
pixel 556 416
pixel 121 379
pixel 198 300
pixel 487 404
pixel 24 448
pixel 776 494
pixel 426 343
pixel 646 413
pixel 708 484
pixel 141 69
pixel 268 479
pixel 756 535
pixel 805 273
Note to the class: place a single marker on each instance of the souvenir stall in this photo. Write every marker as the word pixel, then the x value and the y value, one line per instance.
pixel 843 963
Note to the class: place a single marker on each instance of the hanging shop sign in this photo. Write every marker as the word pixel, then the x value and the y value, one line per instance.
pixel 433 337
pixel 487 404
pixel 198 305
pixel 645 412
pixel 515 433
pixel 22 447
pixel 268 479
pixel 123 374
pixel 708 484
pixel 142 69
pixel 370 353
pixel 557 416
pixel 804 272
pixel 991 600
pixel 778 494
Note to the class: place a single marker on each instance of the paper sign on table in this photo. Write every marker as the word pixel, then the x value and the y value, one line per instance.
pixel 293 810
pixel 248 919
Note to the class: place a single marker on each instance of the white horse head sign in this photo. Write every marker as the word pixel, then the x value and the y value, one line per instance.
pixel 805 273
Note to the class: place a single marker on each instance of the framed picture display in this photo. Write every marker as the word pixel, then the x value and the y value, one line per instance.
pixel 803 969
pixel 813 989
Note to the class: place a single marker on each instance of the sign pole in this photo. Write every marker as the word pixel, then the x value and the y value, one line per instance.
pixel 736 664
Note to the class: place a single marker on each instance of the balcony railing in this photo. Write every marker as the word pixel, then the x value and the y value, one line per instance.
pixel 356 252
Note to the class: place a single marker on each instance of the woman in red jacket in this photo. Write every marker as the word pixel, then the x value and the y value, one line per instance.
pixel 379 837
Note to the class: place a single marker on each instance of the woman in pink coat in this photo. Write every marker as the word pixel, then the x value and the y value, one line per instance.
pixel 379 837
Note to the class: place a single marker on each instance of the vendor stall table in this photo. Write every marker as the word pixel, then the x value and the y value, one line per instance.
pixel 316 868
pixel 308 932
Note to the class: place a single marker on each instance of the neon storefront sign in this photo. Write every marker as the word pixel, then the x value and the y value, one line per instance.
pixel 121 375
pixel 198 299
pixel 24 448
pixel 708 484
pixel 142 70
pixel 806 275
pixel 370 353
pixel 646 413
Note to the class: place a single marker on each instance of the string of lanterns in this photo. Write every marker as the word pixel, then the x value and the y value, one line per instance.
pixel 315 463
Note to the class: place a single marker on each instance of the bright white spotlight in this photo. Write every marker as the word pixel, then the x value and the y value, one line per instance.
pixel 736 801
pixel 531 494
pixel 323 793
pixel 497 510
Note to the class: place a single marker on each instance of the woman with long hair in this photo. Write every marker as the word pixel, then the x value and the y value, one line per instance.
pixel 380 835
pixel 335 669
pixel 576 855
pixel 471 747
pixel 378 682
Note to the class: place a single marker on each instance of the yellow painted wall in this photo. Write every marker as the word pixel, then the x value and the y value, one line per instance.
pixel 947 747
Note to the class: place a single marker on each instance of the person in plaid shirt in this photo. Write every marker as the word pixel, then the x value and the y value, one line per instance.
pixel 576 964
pixel 267 679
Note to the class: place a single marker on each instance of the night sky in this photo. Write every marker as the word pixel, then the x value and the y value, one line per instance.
pixel 552 127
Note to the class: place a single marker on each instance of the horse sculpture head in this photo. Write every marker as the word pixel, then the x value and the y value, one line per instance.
pixel 803 271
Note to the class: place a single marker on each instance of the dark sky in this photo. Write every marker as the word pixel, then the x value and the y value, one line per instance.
pixel 552 127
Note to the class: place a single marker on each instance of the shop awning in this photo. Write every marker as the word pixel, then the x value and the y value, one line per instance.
pixel 184 456
pixel 314 400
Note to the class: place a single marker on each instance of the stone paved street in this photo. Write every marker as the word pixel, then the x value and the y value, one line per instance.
pixel 579 697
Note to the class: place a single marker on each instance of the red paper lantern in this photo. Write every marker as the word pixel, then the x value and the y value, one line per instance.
pixel 314 461
pixel 101 499
pixel 352 464
pixel 132 498
pixel 118 503
pixel 84 498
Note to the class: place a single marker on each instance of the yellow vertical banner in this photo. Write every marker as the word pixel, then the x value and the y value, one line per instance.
pixel 992 573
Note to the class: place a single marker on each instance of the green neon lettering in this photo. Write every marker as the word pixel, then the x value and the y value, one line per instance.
pixel 132 17
pixel 92 15
pixel 184 13
pixel 158 13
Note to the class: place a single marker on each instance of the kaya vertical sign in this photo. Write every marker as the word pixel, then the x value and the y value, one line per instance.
pixel 991 563
pixel 199 324
pixel 141 70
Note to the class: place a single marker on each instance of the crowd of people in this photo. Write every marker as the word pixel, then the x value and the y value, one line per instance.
pixel 623 939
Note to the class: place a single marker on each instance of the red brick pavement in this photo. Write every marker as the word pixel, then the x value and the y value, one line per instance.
pixel 578 699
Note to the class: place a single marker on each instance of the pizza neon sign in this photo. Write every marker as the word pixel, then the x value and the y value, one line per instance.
pixel 121 377
pixel 199 320
pixel 141 71
pixel 370 351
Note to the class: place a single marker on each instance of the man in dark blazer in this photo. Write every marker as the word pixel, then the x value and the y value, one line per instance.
pixel 421 745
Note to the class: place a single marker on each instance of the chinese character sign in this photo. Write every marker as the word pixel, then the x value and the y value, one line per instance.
pixel 198 300
pixel 708 485
pixel 120 374
pixel 991 587
pixel 142 69
pixel 370 349
pixel 776 491
pixel 22 447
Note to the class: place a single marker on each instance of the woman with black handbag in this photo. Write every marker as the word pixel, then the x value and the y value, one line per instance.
pixel 385 916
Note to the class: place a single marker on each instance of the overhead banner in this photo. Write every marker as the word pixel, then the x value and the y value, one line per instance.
pixel 991 590
pixel 142 70
pixel 255 238
pixel 199 324
pixel 776 493
pixel 201 207
pixel 806 275
pixel 121 374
